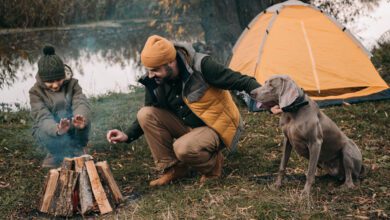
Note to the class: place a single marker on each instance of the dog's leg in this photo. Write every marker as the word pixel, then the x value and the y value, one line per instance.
pixel 352 161
pixel 314 152
pixel 283 163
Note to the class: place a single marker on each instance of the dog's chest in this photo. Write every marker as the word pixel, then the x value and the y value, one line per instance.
pixel 297 138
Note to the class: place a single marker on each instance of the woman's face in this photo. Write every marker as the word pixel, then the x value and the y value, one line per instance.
pixel 54 85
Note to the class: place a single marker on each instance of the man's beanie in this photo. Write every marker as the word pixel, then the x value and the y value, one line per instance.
pixel 50 66
pixel 157 51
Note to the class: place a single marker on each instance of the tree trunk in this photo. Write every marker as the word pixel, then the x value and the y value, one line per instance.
pixel 224 20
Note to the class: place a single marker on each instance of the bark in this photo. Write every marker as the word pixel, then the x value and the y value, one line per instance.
pixel 80 162
pixel 62 203
pixel 67 163
pixel 97 188
pixel 108 180
pixel 49 189
pixel 85 193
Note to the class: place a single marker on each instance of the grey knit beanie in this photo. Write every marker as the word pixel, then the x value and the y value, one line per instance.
pixel 50 66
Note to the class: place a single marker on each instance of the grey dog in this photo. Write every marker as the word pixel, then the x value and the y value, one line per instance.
pixel 310 132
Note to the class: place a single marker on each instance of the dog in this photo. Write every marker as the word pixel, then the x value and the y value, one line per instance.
pixel 310 132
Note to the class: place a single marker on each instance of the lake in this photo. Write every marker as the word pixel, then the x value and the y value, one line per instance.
pixel 104 56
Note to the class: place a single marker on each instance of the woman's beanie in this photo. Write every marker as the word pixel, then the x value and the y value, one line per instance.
pixel 157 51
pixel 50 66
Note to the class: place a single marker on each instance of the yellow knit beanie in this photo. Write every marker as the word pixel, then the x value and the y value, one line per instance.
pixel 157 51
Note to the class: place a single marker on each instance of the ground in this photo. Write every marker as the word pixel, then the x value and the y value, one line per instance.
pixel 245 191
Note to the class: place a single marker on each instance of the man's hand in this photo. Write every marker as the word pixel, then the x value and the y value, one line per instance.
pixel 276 110
pixel 79 122
pixel 115 136
pixel 63 126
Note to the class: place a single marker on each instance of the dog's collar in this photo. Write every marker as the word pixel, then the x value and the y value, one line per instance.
pixel 297 104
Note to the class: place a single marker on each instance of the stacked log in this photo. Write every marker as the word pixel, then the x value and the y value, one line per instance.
pixel 80 186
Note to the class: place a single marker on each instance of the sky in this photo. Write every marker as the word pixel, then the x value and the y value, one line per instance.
pixel 368 29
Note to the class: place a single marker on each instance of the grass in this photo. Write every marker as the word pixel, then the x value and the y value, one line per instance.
pixel 244 192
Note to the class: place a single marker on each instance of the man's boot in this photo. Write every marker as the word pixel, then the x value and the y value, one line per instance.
pixel 176 172
pixel 216 172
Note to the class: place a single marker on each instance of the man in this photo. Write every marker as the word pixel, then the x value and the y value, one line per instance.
pixel 189 116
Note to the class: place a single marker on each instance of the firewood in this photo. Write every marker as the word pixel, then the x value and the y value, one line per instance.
pixel 97 188
pixel 85 193
pixel 67 163
pixel 84 190
pixel 79 162
pixel 62 204
pixel 49 189
pixel 76 186
pixel 108 178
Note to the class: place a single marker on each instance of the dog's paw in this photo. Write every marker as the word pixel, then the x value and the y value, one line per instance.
pixel 347 186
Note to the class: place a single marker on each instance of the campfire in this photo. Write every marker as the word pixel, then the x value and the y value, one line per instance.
pixel 82 186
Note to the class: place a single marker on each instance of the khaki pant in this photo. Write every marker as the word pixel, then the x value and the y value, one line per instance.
pixel 170 141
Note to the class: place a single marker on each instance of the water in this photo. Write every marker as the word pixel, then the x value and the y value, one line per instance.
pixel 95 72
pixel 103 59
pixel 106 58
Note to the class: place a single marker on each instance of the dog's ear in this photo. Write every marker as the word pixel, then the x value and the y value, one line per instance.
pixel 288 93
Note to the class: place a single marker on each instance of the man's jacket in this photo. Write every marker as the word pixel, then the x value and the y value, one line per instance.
pixel 199 96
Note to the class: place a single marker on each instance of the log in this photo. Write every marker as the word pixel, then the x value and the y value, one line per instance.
pixel 79 162
pixel 62 204
pixel 49 189
pixel 108 179
pixel 85 193
pixel 76 186
pixel 84 190
pixel 97 188
pixel 67 163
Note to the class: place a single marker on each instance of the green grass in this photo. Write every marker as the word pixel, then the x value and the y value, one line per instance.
pixel 244 192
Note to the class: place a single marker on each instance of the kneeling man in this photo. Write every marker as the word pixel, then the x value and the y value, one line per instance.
pixel 189 115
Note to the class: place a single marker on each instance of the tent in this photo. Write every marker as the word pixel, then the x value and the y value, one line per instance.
pixel 321 55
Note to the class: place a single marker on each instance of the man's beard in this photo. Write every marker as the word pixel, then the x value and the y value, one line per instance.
pixel 168 77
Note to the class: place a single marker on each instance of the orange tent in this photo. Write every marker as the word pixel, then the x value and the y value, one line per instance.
pixel 321 55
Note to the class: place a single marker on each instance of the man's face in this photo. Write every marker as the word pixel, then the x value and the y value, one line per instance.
pixel 54 85
pixel 161 74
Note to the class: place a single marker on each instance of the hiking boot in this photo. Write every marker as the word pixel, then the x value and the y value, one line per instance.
pixel 175 172
pixel 216 172
pixel 49 162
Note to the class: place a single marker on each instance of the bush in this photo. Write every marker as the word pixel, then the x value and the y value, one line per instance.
pixel 381 59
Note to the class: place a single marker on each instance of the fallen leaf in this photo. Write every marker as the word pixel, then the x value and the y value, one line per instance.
pixel 4 185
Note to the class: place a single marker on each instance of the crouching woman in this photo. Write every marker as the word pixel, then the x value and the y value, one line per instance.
pixel 59 109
